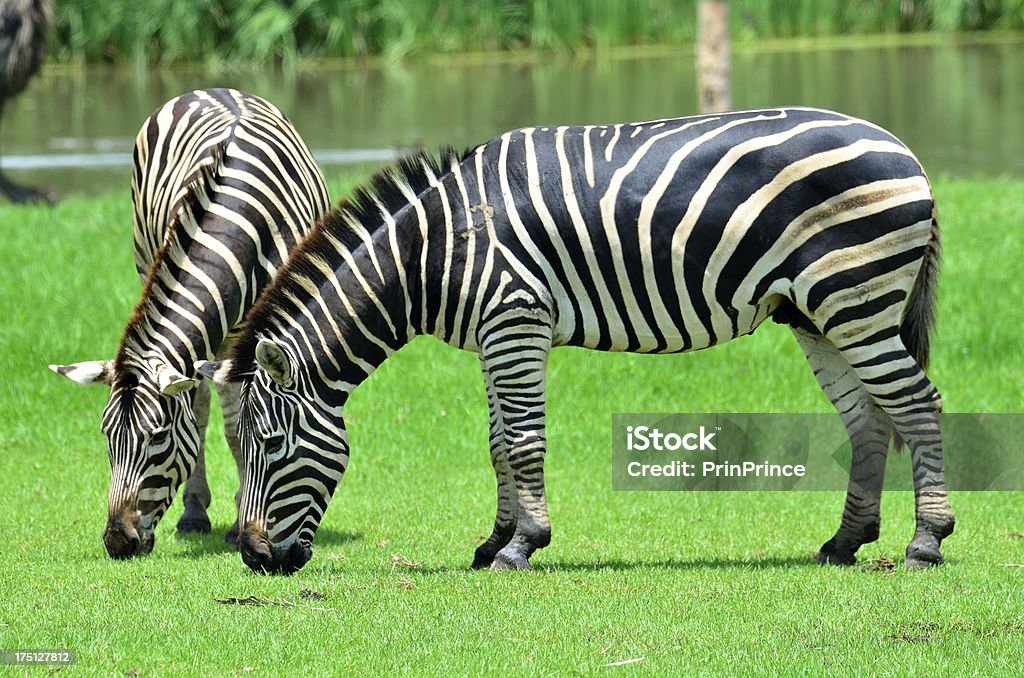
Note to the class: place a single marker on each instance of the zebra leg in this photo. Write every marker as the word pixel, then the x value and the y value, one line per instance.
pixel 17 193
pixel 516 361
pixel 901 389
pixel 197 490
pixel 508 504
pixel 870 431
pixel 228 394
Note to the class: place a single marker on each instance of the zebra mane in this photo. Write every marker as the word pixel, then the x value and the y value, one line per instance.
pixel 134 335
pixel 386 192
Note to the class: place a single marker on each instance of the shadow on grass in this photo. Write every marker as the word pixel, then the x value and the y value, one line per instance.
pixel 620 566
pixel 213 543
pixel 698 564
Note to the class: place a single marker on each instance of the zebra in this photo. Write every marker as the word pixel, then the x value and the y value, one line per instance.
pixel 23 28
pixel 222 188
pixel 664 236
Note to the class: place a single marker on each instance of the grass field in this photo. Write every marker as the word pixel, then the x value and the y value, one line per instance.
pixel 702 583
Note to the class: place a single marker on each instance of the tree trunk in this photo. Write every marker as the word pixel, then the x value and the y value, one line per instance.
pixel 713 56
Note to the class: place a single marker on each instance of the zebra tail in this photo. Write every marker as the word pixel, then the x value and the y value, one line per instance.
pixel 919 316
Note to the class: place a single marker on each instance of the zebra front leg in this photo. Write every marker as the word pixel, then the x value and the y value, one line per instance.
pixel 229 394
pixel 516 362
pixel 508 504
pixel 197 490
pixel 869 429
pixel 901 389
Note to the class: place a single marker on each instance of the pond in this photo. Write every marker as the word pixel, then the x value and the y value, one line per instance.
pixel 958 105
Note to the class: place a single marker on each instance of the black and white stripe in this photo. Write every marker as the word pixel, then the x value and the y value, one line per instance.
pixel 222 187
pixel 653 237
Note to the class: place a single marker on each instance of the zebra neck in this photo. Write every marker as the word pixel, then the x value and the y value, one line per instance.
pixel 365 282
pixel 347 308
pixel 171 325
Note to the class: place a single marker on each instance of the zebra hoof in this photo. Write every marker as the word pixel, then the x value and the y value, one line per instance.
pixel 481 561
pixel 231 536
pixel 922 555
pixel 510 561
pixel 194 523
pixel 832 553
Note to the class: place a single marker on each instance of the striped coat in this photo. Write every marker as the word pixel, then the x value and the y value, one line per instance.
pixel 654 237
pixel 222 188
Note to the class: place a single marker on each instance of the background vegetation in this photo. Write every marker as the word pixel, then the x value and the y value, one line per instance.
pixel 258 31
pixel 674 582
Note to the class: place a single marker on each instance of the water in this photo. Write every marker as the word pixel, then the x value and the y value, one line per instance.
pixel 958 106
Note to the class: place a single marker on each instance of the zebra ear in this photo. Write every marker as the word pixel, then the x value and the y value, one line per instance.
pixel 88 373
pixel 171 382
pixel 215 370
pixel 274 361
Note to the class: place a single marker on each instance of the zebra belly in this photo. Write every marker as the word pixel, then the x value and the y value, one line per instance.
pixel 614 332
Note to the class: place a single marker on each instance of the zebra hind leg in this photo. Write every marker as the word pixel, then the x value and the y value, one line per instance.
pixel 899 386
pixel 508 505
pixel 197 490
pixel 228 395
pixel 869 429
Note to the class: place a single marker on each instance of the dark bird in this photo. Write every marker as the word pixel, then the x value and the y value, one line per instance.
pixel 22 48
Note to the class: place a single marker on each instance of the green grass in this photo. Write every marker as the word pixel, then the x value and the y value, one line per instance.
pixel 259 32
pixel 701 583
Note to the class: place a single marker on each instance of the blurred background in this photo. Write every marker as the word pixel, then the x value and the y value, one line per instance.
pixel 363 79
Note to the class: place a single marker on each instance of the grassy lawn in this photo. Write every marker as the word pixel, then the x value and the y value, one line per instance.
pixel 708 583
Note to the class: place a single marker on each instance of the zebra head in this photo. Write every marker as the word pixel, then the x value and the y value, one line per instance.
pixel 152 442
pixel 294 450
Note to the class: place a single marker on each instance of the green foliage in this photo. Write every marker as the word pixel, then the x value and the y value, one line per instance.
pixel 685 582
pixel 292 31
pixel 782 18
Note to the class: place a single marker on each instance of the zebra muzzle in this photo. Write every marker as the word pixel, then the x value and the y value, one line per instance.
pixel 123 538
pixel 263 558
